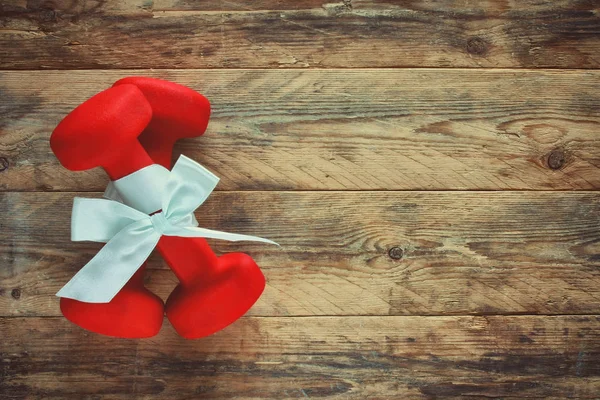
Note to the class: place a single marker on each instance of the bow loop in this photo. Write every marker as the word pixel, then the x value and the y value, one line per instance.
pixel 184 195
pixel 98 220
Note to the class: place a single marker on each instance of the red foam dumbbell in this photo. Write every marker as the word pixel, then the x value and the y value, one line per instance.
pixel 179 112
pixel 103 131
pixel 134 312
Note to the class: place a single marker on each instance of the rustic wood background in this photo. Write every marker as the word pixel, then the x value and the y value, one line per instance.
pixel 430 168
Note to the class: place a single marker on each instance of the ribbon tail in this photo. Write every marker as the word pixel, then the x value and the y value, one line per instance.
pixel 104 276
pixel 211 234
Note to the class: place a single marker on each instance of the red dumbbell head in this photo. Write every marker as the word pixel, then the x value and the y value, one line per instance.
pixel 103 132
pixel 178 112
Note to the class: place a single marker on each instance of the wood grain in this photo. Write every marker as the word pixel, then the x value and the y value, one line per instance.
pixel 66 34
pixel 314 357
pixel 437 212
pixel 339 129
pixel 462 252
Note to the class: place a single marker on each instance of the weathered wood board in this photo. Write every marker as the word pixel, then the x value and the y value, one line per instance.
pixel 65 34
pixel 430 168
pixel 312 357
pixel 461 252
pixel 340 129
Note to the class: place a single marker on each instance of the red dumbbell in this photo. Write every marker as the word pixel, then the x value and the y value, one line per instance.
pixel 134 312
pixel 214 291
pixel 179 112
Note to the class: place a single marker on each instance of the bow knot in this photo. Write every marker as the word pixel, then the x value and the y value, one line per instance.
pixel 131 235
pixel 160 223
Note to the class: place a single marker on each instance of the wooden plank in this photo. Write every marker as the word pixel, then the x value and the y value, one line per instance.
pixel 339 129
pixel 350 33
pixel 314 357
pixel 457 252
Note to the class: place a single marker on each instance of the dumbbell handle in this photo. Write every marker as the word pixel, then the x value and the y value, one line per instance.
pixel 188 266
pixel 127 160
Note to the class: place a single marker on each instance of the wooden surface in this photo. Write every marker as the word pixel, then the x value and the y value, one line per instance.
pixel 407 129
pixel 67 34
pixel 463 252
pixel 312 357
pixel 430 169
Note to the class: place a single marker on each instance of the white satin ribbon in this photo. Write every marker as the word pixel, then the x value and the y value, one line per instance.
pixel 131 235
pixel 141 190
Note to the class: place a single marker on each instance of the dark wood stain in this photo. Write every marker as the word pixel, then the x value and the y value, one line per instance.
pixel 15 106
pixel 526 339
pixel 4 164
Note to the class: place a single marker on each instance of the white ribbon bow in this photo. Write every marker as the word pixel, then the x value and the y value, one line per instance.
pixel 131 235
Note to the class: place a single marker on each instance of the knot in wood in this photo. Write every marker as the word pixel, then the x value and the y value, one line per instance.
pixel 477 46
pixel 16 294
pixel 396 253
pixel 556 159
